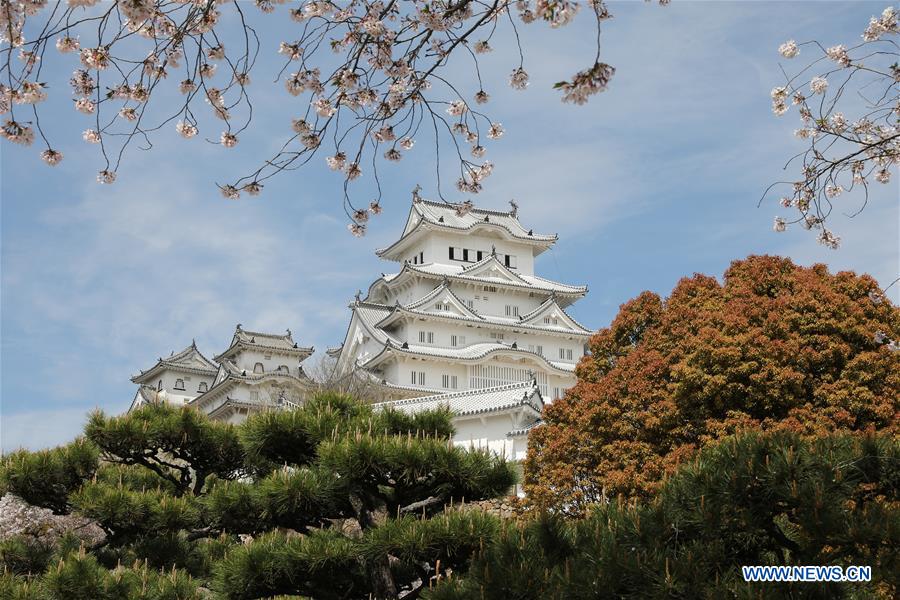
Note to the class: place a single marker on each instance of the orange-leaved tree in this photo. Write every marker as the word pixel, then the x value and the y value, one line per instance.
pixel 775 346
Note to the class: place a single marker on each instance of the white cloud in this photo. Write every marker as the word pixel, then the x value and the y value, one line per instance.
pixel 40 428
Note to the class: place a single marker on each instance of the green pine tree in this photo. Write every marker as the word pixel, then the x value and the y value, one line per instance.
pixel 760 499
pixel 333 500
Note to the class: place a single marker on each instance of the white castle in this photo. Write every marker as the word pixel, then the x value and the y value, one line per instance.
pixel 258 371
pixel 464 323
pixel 467 321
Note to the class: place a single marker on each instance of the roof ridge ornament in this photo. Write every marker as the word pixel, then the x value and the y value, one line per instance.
pixel 415 194
pixel 493 250
pixel 514 207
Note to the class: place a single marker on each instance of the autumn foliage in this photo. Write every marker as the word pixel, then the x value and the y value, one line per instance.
pixel 776 346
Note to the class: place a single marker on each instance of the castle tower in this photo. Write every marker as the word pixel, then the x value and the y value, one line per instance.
pixel 465 310
pixel 257 372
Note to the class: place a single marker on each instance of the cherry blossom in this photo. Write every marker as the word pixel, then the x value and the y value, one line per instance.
pixel 229 140
pixel 789 49
pixel 851 145
pixel 17 133
pixel 106 177
pixel 187 130
pixel 818 85
pixel 230 192
pixel 586 83
pixel 337 162
pixel 85 105
pixel 368 73
pixel 518 79
pixel 67 44
pixel 51 157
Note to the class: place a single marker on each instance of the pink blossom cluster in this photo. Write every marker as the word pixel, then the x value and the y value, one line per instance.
pixel 844 153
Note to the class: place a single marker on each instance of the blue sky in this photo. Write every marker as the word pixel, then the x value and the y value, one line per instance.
pixel 655 179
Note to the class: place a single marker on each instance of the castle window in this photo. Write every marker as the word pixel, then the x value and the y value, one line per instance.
pixel 480 255
pixel 258 368
pixel 509 260
pixel 512 311
pixel 179 384
pixel 283 369
pixel 159 386
pixel 568 354
pixel 202 387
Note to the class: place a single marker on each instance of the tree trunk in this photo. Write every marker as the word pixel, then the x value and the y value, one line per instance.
pixel 371 516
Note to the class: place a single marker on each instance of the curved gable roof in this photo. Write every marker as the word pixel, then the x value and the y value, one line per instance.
pixel 471 353
pixel 284 344
pixel 427 214
pixel 443 293
pixel 189 360
pixel 551 308
pixel 477 401
pixel 530 283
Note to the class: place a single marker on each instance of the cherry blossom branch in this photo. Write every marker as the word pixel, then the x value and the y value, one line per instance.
pixel 844 152
pixel 391 78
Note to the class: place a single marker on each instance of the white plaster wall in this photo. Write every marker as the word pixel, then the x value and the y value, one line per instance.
pixel 436 248
pixel 474 334
pixel 400 372
pixel 191 385
pixel 246 359
pixel 489 432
